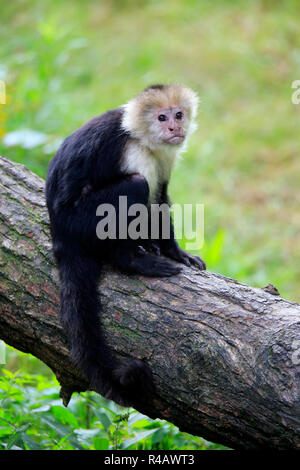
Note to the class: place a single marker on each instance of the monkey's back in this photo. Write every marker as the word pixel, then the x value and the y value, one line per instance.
pixel 90 156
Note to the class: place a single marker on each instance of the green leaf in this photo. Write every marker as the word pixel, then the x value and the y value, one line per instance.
pixel 85 435
pixel 101 443
pixel 60 429
pixel 15 439
pixel 56 425
pixel 61 442
pixel 104 419
pixel 137 438
pixel 41 409
pixel 30 443
pixel 139 418
pixel 64 416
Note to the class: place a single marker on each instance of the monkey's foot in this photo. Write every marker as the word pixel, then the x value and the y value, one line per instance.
pixel 151 246
pixel 192 260
pixel 147 264
pixel 186 258
pixel 154 266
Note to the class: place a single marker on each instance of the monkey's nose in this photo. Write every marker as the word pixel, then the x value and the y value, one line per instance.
pixel 171 129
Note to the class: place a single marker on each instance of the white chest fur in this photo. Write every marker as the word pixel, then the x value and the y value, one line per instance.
pixel 156 167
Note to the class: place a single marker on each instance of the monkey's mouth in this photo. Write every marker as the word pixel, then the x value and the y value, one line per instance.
pixel 175 139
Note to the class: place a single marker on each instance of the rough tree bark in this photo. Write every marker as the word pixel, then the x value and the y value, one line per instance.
pixel 225 357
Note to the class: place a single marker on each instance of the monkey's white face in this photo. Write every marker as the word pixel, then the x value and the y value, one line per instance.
pixel 161 117
pixel 168 125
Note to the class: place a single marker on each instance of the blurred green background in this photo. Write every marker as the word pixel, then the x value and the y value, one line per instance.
pixel 65 62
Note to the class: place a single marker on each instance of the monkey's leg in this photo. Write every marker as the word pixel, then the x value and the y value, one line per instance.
pixel 123 253
pixel 128 254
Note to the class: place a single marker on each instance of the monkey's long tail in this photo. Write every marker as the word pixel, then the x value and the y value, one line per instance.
pixel 126 383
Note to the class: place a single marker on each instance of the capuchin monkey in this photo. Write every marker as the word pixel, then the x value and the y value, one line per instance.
pixel 129 152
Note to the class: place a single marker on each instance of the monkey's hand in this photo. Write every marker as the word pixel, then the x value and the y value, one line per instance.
pixel 174 251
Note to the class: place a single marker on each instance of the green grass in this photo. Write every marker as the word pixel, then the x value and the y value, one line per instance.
pixel 65 62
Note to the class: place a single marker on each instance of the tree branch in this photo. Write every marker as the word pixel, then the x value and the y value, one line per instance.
pixel 225 357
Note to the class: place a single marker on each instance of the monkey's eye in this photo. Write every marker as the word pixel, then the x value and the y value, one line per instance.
pixel 179 115
pixel 162 117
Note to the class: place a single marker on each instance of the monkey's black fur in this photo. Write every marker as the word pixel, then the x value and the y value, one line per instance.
pixel 86 172
pixel 157 86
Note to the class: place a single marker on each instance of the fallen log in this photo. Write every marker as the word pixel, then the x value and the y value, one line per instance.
pixel 225 356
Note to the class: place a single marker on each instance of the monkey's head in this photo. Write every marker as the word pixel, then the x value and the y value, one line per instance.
pixel 161 115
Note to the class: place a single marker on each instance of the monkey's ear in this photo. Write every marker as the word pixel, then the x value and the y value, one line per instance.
pixel 133 119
